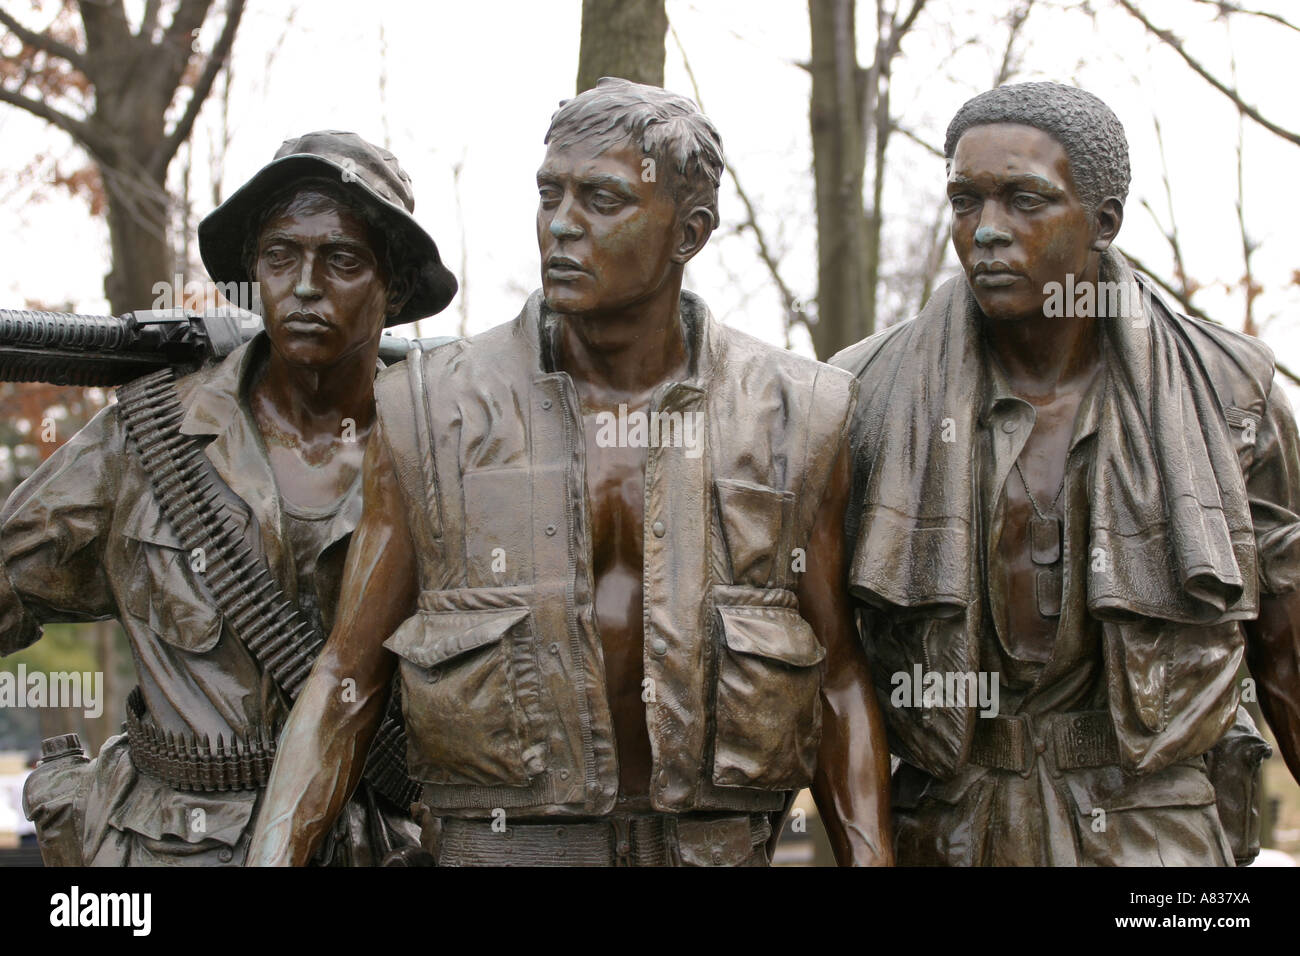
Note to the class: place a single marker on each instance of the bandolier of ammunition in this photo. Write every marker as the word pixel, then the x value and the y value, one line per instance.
pixel 275 632
pixel 181 761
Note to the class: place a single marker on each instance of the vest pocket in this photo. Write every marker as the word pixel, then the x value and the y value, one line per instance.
pixel 753 518
pixel 465 724
pixel 165 596
pixel 769 696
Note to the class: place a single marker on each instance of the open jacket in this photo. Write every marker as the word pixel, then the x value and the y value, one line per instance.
pixel 83 538
pixel 503 681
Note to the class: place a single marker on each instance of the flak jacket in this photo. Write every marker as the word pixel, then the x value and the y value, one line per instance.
pixel 503 681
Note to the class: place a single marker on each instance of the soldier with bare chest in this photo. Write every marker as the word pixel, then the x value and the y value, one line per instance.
pixel 579 546
pixel 616 488
pixel 617 358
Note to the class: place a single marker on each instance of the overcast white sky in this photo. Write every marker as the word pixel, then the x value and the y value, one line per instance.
pixel 474 85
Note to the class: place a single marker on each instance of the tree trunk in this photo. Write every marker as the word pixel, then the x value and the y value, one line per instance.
pixel 129 69
pixel 839 162
pixel 138 233
pixel 623 38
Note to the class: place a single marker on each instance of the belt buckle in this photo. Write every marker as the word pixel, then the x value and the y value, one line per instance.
pixel 1038 743
pixel 622 827
pixel 1030 748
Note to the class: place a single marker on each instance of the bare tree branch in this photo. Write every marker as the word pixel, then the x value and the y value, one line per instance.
pixel 928 147
pixel 43 41
pixel 104 22
pixel 1225 9
pixel 1192 310
pixel 1170 234
pixel 1182 298
pixel 150 19
pixel 791 302
pixel 1176 45
pixel 899 30
pixel 77 129
pixel 1015 20
pixel 1247 247
pixel 162 156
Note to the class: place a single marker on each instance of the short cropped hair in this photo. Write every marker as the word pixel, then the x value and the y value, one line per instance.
pixel 1088 130
pixel 666 127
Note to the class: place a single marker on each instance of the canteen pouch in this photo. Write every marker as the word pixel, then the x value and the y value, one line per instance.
pixel 1233 766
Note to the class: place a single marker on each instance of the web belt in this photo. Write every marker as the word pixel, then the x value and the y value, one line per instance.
pixel 622 839
pixel 1075 740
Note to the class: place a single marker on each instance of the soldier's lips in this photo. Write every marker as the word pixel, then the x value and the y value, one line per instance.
pixel 997 280
pixel 562 268
pixel 308 324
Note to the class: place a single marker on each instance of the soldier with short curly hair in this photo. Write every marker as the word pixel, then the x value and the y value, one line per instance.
pixel 1074 513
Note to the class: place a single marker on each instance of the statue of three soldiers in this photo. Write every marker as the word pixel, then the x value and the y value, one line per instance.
pixel 635 645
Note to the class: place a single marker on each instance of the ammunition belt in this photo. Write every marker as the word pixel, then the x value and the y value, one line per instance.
pixel 271 627
pixel 181 761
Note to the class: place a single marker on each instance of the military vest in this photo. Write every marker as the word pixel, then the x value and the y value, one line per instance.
pixel 502 665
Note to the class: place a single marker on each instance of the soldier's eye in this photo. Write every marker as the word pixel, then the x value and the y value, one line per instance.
pixel 549 196
pixel 1029 202
pixel 604 201
pixel 961 204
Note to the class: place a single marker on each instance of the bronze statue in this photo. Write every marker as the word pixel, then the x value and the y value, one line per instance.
pixel 602 541
pixel 211 516
pixel 1073 512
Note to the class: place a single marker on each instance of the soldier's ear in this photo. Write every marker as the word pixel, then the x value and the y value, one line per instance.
pixel 1109 217
pixel 400 289
pixel 694 231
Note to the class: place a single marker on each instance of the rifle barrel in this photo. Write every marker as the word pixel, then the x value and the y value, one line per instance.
pixel 61 330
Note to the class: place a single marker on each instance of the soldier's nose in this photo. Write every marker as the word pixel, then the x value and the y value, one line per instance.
pixel 307 287
pixel 988 236
pixel 561 229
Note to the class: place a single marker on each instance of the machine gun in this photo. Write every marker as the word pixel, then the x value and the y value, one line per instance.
pixel 63 348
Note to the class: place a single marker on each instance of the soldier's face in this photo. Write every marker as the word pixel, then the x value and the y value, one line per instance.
pixel 1017 221
pixel 322 287
pixel 606 230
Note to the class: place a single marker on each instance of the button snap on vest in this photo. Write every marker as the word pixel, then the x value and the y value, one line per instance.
pixel 658 528
pixel 1009 426
pixel 550 530
pixel 546 404
pixel 555 648
pixel 433 676
pixel 659 646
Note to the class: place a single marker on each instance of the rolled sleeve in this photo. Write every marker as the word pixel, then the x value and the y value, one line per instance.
pixel 1273 487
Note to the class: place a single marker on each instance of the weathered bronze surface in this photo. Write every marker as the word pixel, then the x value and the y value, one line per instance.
pixel 642 643
pixel 278 430
pixel 1086 503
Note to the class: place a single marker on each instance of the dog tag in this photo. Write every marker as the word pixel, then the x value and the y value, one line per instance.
pixel 1048 584
pixel 1044 540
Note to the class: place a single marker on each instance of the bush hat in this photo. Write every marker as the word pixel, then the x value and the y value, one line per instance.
pixel 377 180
